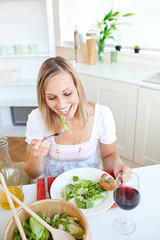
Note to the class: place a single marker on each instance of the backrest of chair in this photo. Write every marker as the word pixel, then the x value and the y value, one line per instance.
pixel 24 176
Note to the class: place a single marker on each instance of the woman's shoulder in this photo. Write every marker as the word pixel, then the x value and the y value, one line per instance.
pixel 101 109
pixel 34 113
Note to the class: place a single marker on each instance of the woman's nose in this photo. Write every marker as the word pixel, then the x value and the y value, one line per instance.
pixel 61 102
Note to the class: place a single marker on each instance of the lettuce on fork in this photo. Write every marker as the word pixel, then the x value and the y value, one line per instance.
pixel 64 123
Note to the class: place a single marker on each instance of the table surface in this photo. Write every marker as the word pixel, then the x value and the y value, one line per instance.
pixel 146 214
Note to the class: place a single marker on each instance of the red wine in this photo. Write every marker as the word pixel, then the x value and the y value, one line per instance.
pixel 126 198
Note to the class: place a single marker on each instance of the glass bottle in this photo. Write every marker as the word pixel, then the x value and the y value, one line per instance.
pixel 76 44
pixel 11 175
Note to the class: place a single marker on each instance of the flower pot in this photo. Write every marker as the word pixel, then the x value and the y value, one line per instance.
pixel 118 48
pixel 136 50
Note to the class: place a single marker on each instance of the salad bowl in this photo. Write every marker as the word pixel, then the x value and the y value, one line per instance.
pixel 49 207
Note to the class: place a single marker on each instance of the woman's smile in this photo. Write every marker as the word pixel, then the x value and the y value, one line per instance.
pixel 65 111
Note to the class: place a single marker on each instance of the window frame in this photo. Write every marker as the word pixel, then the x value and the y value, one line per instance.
pixel 145 52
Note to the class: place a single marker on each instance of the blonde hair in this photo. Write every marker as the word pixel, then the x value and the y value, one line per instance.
pixel 50 68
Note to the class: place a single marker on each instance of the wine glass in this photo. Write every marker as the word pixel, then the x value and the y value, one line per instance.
pixel 126 196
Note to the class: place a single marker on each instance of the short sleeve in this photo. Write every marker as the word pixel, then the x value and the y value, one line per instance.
pixel 107 127
pixel 35 128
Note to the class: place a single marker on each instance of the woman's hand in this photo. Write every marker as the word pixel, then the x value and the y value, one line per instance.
pixel 120 167
pixel 40 149
pixel 34 158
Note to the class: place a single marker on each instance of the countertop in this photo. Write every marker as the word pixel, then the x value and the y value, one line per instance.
pixel 130 73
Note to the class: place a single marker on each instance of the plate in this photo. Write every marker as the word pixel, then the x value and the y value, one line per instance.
pixel 86 173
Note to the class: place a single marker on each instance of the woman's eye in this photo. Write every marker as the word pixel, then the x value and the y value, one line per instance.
pixel 51 98
pixel 68 94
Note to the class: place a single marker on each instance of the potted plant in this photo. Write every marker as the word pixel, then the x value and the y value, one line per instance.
pixel 136 49
pixel 106 29
pixel 118 47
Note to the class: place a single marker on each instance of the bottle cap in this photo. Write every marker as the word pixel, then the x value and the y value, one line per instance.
pixel 90 34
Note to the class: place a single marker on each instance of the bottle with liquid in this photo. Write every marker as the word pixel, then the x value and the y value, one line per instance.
pixel 11 175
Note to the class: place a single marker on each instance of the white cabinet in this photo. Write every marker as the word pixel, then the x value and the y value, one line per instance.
pixel 147 141
pixel 23 22
pixel 122 100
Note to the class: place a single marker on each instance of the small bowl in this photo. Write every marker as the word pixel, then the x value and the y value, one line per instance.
pixel 49 207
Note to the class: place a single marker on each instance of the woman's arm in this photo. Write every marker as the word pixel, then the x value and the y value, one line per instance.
pixel 111 159
pixel 34 157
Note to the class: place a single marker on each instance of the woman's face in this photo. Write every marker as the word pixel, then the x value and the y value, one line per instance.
pixel 61 94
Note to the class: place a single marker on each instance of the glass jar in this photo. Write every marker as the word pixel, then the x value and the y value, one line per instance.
pixel 114 56
pixel 11 175
pixel 91 43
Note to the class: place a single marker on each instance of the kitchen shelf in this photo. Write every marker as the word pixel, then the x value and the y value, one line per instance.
pixel 21 102
pixel 12 131
pixel 27 22
pixel 25 55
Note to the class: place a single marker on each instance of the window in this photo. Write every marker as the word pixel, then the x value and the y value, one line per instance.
pixel 142 28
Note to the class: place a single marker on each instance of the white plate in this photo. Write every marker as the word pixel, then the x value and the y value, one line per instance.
pixel 86 173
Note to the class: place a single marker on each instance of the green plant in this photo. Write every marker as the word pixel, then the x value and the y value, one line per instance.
pixel 106 28
pixel 136 47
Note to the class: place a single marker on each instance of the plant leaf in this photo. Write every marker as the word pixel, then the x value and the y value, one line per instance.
pixel 108 15
pixel 127 14
pixel 111 37
pixel 115 14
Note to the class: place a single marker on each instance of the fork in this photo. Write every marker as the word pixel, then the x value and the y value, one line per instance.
pixel 52 135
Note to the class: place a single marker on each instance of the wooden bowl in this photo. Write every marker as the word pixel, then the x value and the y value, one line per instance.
pixel 49 207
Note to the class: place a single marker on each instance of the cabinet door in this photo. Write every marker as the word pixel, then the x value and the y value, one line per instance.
pixel 147 144
pixel 122 100
pixel 90 87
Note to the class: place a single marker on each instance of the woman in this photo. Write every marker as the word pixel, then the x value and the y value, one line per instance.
pixel 60 93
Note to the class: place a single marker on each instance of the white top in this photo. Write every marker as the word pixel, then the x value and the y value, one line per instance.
pixel 61 158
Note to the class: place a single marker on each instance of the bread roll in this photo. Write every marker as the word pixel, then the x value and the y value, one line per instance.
pixel 107 182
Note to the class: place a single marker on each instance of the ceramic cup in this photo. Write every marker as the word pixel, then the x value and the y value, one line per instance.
pixel 17 49
pixel 32 48
pixel 3 49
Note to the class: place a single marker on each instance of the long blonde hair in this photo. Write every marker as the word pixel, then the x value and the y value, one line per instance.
pixel 50 68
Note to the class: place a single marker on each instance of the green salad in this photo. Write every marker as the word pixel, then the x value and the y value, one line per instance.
pixel 85 193
pixel 35 231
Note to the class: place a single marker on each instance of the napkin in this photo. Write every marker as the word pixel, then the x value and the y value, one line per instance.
pixel 41 186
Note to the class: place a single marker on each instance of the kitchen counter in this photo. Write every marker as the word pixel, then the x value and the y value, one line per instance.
pixel 121 71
